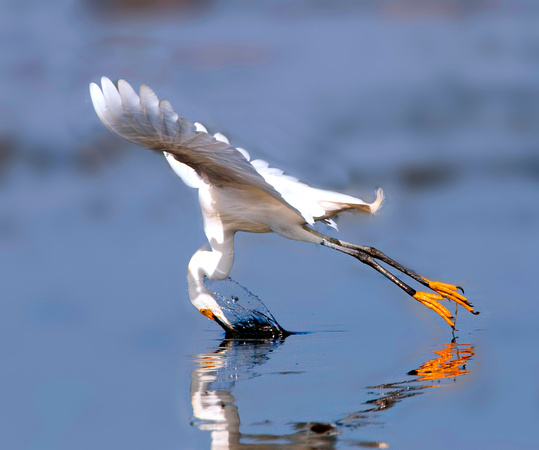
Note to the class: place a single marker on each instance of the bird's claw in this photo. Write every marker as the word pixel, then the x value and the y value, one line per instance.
pixel 431 301
pixel 449 291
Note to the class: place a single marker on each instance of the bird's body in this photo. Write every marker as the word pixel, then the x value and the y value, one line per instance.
pixel 227 210
pixel 237 194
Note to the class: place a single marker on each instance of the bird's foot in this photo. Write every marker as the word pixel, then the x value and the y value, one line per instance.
pixel 450 291
pixel 431 301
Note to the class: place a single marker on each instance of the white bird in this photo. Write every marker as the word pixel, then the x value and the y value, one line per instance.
pixel 237 194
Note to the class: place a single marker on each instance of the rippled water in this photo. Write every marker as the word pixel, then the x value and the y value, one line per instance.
pixel 437 102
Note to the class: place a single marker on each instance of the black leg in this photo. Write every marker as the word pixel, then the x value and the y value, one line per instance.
pixel 375 253
pixel 367 255
pixel 368 259
pixel 446 290
pixel 359 252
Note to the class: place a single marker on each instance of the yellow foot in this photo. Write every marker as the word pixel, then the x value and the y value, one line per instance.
pixel 449 291
pixel 431 302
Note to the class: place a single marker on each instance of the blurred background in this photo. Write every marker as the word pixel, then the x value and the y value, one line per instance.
pixel 436 101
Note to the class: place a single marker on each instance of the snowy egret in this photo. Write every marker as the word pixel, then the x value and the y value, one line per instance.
pixel 237 194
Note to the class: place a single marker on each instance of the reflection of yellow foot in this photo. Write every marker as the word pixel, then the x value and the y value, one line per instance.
pixel 451 362
pixel 449 291
pixel 431 302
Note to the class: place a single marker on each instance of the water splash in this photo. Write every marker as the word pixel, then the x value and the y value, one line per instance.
pixel 247 314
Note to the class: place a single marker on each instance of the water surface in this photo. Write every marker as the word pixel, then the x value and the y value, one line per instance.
pixel 438 104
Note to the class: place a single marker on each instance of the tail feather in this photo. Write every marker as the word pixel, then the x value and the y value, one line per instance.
pixel 377 204
pixel 335 203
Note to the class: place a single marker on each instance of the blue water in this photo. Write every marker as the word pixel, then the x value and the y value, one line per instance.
pixel 437 102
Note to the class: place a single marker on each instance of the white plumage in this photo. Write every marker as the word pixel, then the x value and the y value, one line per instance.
pixel 235 193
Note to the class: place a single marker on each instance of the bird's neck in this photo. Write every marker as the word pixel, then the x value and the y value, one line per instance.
pixel 215 265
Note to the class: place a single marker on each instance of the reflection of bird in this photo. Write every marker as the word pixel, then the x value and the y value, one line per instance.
pixel 218 373
pixel 237 194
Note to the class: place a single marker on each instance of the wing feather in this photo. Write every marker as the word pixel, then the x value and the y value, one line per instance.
pixel 314 204
pixel 145 120
pixel 198 157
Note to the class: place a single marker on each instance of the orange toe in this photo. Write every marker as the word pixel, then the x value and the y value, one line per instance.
pixel 431 302
pixel 449 291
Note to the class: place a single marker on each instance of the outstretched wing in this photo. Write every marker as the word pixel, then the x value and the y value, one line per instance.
pixel 313 204
pixel 153 123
